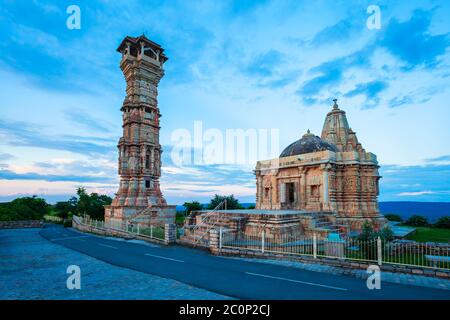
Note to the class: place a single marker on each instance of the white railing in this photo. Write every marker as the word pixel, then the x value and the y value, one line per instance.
pixel 201 229
pixel 208 215
pixel 398 252
pixel 53 219
pixel 149 231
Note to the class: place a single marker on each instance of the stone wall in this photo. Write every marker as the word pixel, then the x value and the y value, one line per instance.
pixel 21 224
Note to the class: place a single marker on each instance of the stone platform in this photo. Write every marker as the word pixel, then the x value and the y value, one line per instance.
pixel 275 223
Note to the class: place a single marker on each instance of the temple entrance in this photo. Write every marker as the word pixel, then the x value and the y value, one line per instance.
pixel 288 195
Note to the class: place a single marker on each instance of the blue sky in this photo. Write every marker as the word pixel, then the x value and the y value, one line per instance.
pixel 232 64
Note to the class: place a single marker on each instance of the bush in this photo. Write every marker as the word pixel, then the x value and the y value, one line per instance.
pixel 393 217
pixel 192 206
pixel 417 221
pixel 232 202
pixel 67 223
pixel 386 234
pixel 26 208
pixel 369 235
pixel 443 222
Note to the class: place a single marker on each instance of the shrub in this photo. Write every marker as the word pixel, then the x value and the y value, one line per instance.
pixel 443 222
pixel 393 217
pixel 232 202
pixel 386 234
pixel 192 206
pixel 67 223
pixel 25 208
pixel 368 236
pixel 417 221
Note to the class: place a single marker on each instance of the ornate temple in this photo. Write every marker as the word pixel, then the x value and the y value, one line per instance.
pixel 318 186
pixel 139 149
pixel 332 173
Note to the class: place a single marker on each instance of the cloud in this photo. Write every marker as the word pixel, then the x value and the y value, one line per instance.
pixel 415 194
pixel 97 169
pixel 264 64
pixel 20 133
pixel 371 90
pixel 6 156
pixel 400 101
pixel 331 74
pixel 441 159
pixel 433 180
pixel 79 117
pixel 338 32
pixel 412 42
pixel 10 175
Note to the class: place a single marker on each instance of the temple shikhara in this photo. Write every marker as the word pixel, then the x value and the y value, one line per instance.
pixel 139 149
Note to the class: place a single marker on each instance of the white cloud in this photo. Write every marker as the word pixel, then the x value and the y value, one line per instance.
pixel 415 194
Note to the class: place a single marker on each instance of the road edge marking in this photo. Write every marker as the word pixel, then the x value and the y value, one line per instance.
pixel 68 238
pixel 161 257
pixel 106 245
pixel 297 281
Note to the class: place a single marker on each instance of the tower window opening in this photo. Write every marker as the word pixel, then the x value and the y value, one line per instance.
pixel 147 184
pixel 147 161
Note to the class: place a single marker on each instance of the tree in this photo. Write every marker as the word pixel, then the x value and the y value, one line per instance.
pixel 443 222
pixel 25 208
pixel 64 208
pixel 368 233
pixel 232 203
pixel 393 217
pixel 192 206
pixel 90 204
pixel 417 221
pixel 386 234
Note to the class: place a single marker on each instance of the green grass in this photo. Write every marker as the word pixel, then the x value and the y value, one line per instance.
pixel 179 219
pixel 427 234
pixel 158 232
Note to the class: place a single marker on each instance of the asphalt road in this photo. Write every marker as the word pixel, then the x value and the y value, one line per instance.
pixel 231 277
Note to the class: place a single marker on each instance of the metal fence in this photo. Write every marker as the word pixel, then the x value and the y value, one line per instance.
pixel 149 231
pixel 400 252
pixel 53 219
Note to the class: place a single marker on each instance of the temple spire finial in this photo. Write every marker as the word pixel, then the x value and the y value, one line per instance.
pixel 335 105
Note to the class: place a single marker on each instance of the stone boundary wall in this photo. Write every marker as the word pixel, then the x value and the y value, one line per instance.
pixel 342 263
pixel 122 234
pixel 21 224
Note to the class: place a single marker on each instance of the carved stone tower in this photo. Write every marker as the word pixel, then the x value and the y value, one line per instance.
pixel 139 148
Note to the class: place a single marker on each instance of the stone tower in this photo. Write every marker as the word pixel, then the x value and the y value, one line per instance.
pixel 139 149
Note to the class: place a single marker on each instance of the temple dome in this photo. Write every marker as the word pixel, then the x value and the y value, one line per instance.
pixel 307 144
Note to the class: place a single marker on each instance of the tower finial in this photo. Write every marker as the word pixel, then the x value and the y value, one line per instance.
pixel 335 105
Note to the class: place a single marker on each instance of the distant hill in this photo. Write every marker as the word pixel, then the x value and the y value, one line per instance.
pixel 405 209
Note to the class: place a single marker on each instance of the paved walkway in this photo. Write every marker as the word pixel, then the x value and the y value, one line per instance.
pixel 31 267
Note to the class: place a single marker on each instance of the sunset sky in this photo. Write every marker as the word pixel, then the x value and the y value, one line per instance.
pixel 232 65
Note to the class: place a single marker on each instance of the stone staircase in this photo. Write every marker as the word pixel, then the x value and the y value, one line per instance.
pixel 199 224
pixel 325 222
